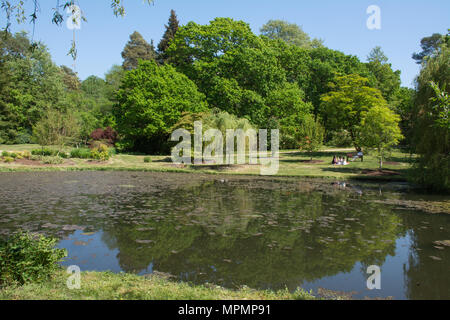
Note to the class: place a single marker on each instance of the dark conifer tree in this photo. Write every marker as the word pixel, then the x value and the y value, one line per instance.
pixel 137 48
pixel 171 30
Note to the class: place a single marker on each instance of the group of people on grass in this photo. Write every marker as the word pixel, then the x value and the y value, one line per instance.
pixel 339 161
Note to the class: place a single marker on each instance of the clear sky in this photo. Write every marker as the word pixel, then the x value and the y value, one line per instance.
pixel 341 24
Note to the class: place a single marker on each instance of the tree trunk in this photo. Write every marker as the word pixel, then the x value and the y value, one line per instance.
pixel 381 159
pixel 357 147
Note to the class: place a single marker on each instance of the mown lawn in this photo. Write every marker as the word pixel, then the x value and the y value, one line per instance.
pixel 110 286
pixel 291 163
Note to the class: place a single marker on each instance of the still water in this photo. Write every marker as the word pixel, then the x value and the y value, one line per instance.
pixel 264 233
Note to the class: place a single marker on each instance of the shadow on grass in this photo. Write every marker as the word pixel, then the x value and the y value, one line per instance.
pixel 168 159
pixel 372 174
pixel 316 154
pixel 314 161
pixel 404 159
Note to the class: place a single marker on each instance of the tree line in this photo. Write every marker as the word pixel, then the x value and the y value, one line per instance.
pixel 280 79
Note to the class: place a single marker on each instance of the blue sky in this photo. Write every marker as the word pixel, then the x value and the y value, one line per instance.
pixel 341 24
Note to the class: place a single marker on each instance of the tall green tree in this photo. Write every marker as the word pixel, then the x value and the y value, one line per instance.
pixel 387 80
pixel 324 66
pixel 169 34
pixel 347 104
pixel 289 32
pixel 311 134
pixel 151 100
pixel 56 128
pixel 429 46
pixel 402 103
pixel 430 125
pixel 70 78
pixel 195 44
pixel 137 49
pixel 380 131
pixel 29 83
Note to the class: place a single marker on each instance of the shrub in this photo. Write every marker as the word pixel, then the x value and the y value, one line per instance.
pixel 52 160
pixel 28 258
pixel 5 154
pixel 44 152
pixel 100 151
pixel 147 159
pixel 82 153
pixel 26 154
pixel 99 146
pixel 8 159
pixel 13 155
pixel 107 136
pixel 112 151
pixel 100 155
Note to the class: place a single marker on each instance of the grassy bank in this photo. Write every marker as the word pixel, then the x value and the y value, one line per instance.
pixel 292 163
pixel 110 286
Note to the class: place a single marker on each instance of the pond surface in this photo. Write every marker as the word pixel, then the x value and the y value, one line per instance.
pixel 235 230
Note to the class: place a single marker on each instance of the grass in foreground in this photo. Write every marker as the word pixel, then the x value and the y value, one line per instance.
pixel 110 286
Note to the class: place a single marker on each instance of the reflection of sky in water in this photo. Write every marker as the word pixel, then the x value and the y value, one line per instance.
pixel 392 278
pixel 90 253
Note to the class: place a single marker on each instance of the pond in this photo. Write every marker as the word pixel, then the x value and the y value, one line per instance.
pixel 264 233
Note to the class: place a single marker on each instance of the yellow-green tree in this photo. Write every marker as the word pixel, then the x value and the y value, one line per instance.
pixel 380 131
pixel 346 105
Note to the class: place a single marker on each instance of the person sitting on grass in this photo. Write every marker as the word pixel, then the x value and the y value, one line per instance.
pixel 334 162
pixel 358 155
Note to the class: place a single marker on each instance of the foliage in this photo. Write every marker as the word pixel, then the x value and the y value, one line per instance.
pixel 151 100
pixel 147 159
pixel 324 67
pixel 431 131
pixel 340 138
pixel 70 78
pixel 311 134
pixel 8 159
pixel 380 130
pixel 29 83
pixel 287 108
pixel 402 103
pixel 387 80
pixel 204 43
pixel 52 160
pixel 441 106
pixel 44 152
pixel 56 128
pixel 137 49
pixel 347 104
pixel 169 34
pixel 100 155
pixel 26 258
pixel 16 9
pixel 108 135
pixel 81 153
pixel 289 32
pixel 429 46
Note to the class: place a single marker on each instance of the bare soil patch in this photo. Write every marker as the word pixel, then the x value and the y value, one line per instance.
pixel 35 163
